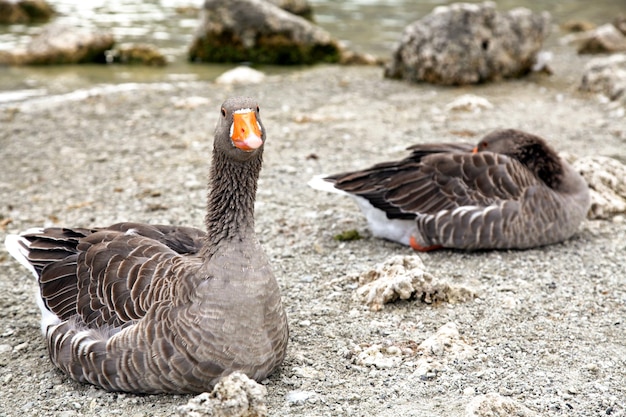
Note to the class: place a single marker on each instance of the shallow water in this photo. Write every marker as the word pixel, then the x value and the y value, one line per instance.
pixel 372 26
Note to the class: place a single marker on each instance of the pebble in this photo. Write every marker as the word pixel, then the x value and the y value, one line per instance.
pixel 299 397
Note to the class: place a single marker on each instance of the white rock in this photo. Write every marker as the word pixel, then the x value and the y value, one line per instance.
pixel 234 396
pixel 469 103
pixel 606 178
pixel 495 405
pixel 404 277
pixel 299 397
pixel 376 355
pixel 240 75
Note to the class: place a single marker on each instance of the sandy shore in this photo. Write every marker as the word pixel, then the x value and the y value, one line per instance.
pixel 547 330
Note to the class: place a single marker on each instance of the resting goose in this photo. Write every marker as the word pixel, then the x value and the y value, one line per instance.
pixel 164 309
pixel 511 191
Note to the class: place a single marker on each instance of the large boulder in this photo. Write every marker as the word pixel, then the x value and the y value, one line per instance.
pixel 607 38
pixel 607 76
pixel 24 11
pixel 258 31
pixel 61 45
pixel 136 54
pixel 301 8
pixel 469 43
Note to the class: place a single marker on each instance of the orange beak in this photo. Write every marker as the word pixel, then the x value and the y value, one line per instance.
pixel 246 132
pixel 475 150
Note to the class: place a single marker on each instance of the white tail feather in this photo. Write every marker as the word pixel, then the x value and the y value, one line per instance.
pixel 19 247
pixel 319 183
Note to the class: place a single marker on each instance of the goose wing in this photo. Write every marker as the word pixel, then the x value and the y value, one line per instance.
pixel 374 183
pixel 106 275
pixel 449 180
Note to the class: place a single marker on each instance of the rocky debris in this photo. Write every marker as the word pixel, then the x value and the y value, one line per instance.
pixel 24 11
pixel 469 43
pixel 136 54
pixel 428 359
pixel 379 355
pixel 496 405
pixel 576 26
pixel 607 183
pixel 260 32
pixel 607 76
pixel 240 75
pixel 440 349
pixel 300 8
pixel 405 277
pixel 356 58
pixel 234 396
pixel 469 103
pixel 57 45
pixel 603 39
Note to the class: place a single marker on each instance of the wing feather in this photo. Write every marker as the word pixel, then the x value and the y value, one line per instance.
pixel 105 275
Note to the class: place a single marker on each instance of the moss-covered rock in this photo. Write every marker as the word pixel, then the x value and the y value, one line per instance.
pixel 57 45
pixel 467 43
pixel 259 32
pixel 24 11
pixel 136 54
pixel 300 8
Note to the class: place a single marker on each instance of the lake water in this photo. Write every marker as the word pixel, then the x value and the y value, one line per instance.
pixel 372 26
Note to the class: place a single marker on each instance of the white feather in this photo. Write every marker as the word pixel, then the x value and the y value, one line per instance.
pixel 19 247
pixel 319 183
pixel 48 318
pixel 396 230
pixel 380 225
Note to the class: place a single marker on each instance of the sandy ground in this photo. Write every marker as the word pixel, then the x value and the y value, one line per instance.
pixel 547 330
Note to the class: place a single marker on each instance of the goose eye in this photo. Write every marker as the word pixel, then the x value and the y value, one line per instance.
pixel 257 109
pixel 223 112
pixel 484 145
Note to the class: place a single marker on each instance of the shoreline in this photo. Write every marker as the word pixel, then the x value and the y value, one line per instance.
pixel 547 327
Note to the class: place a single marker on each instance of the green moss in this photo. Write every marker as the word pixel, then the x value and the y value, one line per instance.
pixel 348 235
pixel 269 50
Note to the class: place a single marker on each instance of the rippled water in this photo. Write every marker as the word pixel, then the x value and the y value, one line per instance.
pixel 372 26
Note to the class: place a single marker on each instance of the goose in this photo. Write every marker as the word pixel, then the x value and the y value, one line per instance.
pixel 150 309
pixel 511 191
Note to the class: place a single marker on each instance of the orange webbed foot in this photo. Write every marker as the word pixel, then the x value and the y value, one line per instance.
pixel 419 248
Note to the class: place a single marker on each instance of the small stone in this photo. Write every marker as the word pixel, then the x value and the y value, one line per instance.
pixel 299 397
pixel 7 378
pixel 469 103
pixel 21 346
pixel 240 75
pixel 495 405
pixel 234 395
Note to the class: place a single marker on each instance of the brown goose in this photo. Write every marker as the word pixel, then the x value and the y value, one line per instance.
pixel 150 309
pixel 512 191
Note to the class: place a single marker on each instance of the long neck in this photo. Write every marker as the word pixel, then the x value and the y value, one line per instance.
pixel 544 162
pixel 230 205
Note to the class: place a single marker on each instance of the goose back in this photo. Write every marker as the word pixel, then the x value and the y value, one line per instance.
pixel 509 191
pixel 157 308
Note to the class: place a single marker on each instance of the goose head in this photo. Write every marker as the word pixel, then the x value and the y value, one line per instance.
pixel 532 151
pixel 239 132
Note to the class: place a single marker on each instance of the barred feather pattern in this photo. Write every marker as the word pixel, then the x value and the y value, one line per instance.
pixel 163 309
pixel 514 193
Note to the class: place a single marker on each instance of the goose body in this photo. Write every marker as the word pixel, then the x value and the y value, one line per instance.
pixel 511 191
pixel 164 309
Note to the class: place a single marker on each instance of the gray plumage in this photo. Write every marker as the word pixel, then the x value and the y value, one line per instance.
pixel 512 192
pixel 153 308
